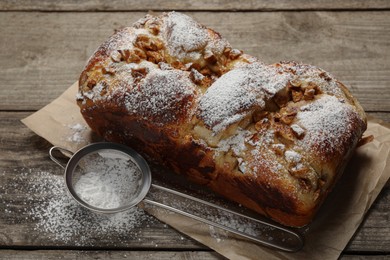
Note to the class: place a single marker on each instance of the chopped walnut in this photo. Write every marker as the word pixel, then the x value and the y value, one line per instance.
pixel 129 56
pixel 156 44
pixel 296 95
pixel 279 148
pixel 140 53
pixel 297 130
pixel 195 76
pixel 139 74
pixel 206 71
pixel 226 51
pixel 144 42
pixel 124 54
pixel 281 98
pixel 287 114
pixel 91 84
pixel 299 169
pixel 133 58
pixel 210 58
pixel 309 94
pixel 286 119
pixel 296 82
pixel 153 27
pixel 177 64
pixel 284 131
pixel 258 115
pixel 142 38
pixel 154 57
pixel 216 69
pixel 108 70
pixel 262 125
pixel 234 54
pixel 116 56
pixel 196 66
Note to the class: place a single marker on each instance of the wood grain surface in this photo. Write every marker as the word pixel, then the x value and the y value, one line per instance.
pixel 45 44
pixel 191 5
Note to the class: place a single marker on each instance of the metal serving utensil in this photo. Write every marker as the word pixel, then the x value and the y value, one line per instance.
pixel 287 240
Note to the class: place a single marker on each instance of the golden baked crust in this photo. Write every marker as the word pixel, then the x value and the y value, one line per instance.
pixel 274 138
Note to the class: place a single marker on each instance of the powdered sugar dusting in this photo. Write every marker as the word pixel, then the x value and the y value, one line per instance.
pixel 184 36
pixel 310 73
pixel 326 121
pixel 292 156
pixel 162 95
pixel 235 93
pixel 236 143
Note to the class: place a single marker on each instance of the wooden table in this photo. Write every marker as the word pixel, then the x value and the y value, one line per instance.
pixel 45 44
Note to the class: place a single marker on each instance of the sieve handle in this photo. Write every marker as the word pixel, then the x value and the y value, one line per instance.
pixel 54 158
pixel 298 239
pixel 296 236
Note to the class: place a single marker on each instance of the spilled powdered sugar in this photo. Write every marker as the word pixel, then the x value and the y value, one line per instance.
pixel 235 93
pixel 77 132
pixel 58 218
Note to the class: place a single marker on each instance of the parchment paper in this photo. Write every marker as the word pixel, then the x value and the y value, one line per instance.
pixel 61 123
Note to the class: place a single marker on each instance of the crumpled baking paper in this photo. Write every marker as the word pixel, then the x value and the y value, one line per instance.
pixel 61 123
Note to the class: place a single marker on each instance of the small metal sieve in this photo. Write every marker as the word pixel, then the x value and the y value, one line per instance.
pixel 112 167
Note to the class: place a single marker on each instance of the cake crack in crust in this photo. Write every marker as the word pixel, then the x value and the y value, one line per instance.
pixel 274 138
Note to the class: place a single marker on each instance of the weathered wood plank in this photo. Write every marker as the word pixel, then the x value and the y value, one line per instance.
pixel 41 54
pixel 365 256
pixel 24 159
pixel 113 255
pixel 377 220
pixel 231 5
pixel 31 186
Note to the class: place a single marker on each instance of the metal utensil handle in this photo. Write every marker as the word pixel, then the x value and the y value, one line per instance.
pixel 296 235
pixel 53 157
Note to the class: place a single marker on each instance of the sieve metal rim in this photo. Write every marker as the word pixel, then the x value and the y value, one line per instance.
pixel 94 147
